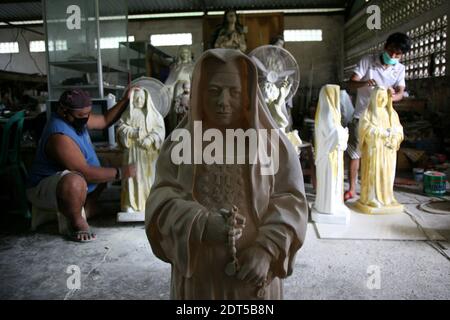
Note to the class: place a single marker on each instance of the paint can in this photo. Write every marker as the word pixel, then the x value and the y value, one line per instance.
pixel 434 183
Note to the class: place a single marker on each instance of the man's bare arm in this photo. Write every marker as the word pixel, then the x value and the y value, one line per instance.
pixel 66 153
pixel 398 95
pixel 101 122
pixel 355 83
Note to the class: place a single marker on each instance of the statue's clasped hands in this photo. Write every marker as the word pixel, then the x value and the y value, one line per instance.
pixel 223 227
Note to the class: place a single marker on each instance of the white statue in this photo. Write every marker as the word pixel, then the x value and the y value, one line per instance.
pixel 140 133
pixel 275 98
pixel 330 143
pixel 380 136
pixel 180 70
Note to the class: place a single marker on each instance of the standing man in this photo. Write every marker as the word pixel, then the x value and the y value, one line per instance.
pixel 382 70
pixel 66 171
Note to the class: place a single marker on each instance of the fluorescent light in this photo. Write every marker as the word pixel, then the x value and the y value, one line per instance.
pixel 216 13
pixel 302 35
pixel 165 15
pixel 313 10
pixel 9 47
pixel 18 23
pixel 171 39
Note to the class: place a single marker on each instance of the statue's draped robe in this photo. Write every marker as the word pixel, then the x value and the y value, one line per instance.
pixel 183 195
pixel 379 153
pixel 135 190
pixel 330 142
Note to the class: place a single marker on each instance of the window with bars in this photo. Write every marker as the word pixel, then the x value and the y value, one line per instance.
pixel 9 47
pixel 171 39
pixel 302 35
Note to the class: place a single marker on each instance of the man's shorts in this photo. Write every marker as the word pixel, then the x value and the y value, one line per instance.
pixel 353 141
pixel 44 194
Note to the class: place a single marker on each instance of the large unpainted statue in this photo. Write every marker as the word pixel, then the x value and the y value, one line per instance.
pixel 330 143
pixel 229 230
pixel 380 136
pixel 231 33
pixel 140 134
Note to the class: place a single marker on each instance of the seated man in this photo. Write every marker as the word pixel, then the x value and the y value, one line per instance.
pixel 66 170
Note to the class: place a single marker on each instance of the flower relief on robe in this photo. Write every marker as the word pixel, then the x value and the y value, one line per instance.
pixel 184 196
pixel 330 143
pixel 140 134
pixel 380 136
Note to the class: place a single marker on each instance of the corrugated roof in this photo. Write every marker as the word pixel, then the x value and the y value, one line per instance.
pixel 11 10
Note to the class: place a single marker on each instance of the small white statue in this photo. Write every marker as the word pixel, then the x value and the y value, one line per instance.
pixel 181 104
pixel 330 143
pixel 180 70
pixel 380 136
pixel 140 133
pixel 275 97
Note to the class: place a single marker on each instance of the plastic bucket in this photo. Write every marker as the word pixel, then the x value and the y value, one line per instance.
pixel 434 183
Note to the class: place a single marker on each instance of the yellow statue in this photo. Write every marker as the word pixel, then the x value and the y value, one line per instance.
pixel 140 133
pixel 380 134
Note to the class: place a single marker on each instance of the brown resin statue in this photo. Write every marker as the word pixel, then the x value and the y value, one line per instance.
pixel 228 230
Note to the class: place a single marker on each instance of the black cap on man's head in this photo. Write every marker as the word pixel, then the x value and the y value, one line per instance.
pixel 75 99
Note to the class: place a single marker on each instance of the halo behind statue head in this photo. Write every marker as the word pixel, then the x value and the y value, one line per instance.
pixel 276 64
pixel 158 92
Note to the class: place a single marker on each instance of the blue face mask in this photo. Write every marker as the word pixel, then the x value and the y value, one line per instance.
pixel 388 60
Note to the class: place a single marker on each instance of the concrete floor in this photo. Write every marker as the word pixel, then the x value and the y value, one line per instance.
pixel 120 264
